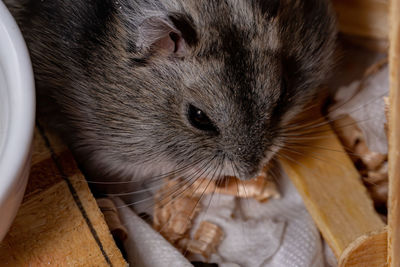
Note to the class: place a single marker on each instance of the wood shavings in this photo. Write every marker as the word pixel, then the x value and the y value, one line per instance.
pixel 173 215
pixel 206 239
pixel 371 165
pixel 260 188
pixel 379 193
pixel 371 160
pixel 177 204
pixel 111 217
pixel 348 132
pixel 377 176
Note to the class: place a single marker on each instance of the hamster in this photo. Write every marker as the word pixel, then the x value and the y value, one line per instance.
pixel 207 88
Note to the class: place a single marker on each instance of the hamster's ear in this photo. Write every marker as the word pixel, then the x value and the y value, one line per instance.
pixel 170 35
pixel 269 8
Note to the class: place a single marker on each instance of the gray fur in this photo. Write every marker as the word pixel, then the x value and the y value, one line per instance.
pixel 122 105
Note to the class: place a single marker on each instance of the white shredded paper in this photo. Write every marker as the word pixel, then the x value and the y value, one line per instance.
pixel 278 233
pixel 367 108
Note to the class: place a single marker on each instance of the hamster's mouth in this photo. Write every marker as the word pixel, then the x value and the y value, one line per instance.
pixel 228 172
pixel 261 187
pixel 229 169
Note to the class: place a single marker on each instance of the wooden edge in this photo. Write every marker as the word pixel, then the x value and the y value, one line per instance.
pixel 367 250
pixel 96 218
pixel 366 18
pixel 332 191
pixel 53 163
pixel 394 137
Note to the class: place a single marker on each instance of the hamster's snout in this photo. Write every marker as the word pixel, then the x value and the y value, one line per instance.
pixel 247 160
pixel 250 173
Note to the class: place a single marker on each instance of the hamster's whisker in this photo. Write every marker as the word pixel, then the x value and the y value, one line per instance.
pixel 236 174
pixel 237 191
pixel 323 120
pixel 274 166
pixel 171 191
pixel 187 168
pixel 210 180
pixel 303 124
pixel 379 97
pixel 313 155
pixel 140 191
pixel 292 144
pixel 283 155
pixel 218 168
pixel 304 138
pixel 174 197
pixel 208 184
pixel 153 178
pixel 313 171
pixel 147 199
pixel 327 131
pixel 180 186
pixel 187 184
pixel 244 188
pixel 271 173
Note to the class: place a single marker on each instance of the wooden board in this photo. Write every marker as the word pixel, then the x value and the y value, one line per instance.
pixel 364 18
pixel 332 190
pixel 367 250
pixel 394 137
pixel 59 222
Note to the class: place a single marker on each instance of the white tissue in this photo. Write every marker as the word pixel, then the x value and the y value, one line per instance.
pixel 367 108
pixel 144 246
pixel 278 233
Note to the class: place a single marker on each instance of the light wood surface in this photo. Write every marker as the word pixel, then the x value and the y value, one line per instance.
pixel 367 250
pixel 59 222
pixel 364 18
pixel 332 191
pixel 394 137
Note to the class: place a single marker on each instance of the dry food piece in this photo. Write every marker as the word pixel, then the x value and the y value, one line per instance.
pixel 377 176
pixel 348 132
pixel 379 193
pixel 110 213
pixel 177 203
pixel 353 140
pixel 260 188
pixel 372 160
pixel 374 167
pixel 173 213
pixel 206 239
pixel 377 184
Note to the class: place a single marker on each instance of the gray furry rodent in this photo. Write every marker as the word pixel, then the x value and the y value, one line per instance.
pixel 144 86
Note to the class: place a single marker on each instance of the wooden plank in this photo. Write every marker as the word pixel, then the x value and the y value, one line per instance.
pixel 332 190
pixel 59 222
pixel 394 137
pixel 365 18
pixel 367 250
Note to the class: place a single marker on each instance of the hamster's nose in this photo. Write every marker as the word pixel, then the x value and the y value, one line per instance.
pixel 248 160
pixel 249 173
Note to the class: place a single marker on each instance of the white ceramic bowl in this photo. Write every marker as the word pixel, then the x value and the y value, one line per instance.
pixel 17 118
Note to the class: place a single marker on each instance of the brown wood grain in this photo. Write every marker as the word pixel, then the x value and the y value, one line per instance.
pixel 332 190
pixel 59 222
pixel 367 250
pixel 364 18
pixel 394 137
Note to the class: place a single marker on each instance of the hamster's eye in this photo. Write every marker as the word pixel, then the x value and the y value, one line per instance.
pixel 176 39
pixel 200 120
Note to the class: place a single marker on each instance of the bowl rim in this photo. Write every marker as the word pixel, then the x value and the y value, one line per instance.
pixel 21 113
